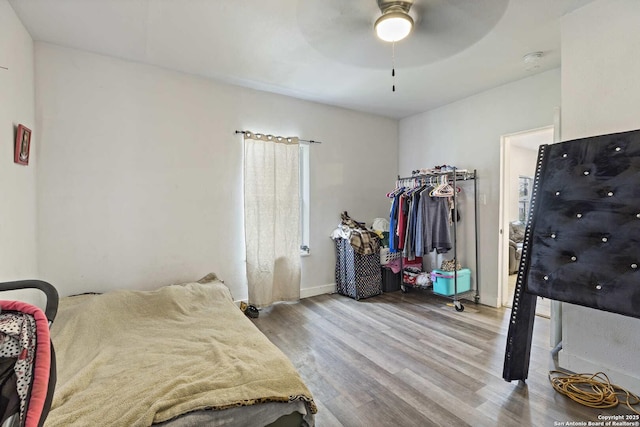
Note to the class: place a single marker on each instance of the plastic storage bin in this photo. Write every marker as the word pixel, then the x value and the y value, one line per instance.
pixel 443 281
pixel 390 280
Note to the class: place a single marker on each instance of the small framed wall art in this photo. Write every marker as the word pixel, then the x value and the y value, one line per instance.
pixel 23 145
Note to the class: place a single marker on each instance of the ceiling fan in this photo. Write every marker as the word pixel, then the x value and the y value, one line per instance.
pixel 345 30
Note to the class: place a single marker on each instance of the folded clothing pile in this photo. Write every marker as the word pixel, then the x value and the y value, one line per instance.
pixel 363 240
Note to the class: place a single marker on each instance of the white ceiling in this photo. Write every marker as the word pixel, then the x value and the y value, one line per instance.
pixel 318 50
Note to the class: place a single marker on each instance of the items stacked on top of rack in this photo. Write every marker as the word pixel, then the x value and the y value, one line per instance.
pixel 423 219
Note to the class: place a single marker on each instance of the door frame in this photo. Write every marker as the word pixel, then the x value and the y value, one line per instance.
pixel 505 202
pixel 555 336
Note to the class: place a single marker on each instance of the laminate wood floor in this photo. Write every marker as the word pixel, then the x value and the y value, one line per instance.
pixel 411 360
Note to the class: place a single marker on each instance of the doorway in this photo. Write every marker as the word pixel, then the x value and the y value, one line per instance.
pixel 519 152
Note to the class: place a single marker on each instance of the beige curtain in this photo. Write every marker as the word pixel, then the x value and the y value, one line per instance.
pixel 272 218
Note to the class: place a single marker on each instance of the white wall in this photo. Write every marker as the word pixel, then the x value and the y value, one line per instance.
pixel 601 94
pixel 140 180
pixel 17 182
pixel 467 134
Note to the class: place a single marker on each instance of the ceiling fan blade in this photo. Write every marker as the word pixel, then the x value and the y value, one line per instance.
pixel 343 30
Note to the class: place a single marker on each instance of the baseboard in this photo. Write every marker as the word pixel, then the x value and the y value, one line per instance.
pixel 318 290
pixel 307 292
pixel 579 365
pixel 491 301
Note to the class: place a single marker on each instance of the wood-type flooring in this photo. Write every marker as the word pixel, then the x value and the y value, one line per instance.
pixel 412 360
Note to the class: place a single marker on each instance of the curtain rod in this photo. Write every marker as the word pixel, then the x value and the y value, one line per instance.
pixel 310 141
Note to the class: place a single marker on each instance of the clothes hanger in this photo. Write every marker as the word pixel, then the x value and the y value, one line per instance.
pixel 399 189
pixel 416 185
pixel 444 189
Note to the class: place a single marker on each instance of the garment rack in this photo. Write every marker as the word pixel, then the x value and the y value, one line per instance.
pixel 453 176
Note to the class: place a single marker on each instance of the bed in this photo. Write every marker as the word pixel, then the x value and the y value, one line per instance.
pixel 182 355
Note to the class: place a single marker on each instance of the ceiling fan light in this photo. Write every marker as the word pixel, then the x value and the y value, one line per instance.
pixel 393 26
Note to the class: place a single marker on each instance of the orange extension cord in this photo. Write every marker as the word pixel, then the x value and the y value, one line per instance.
pixel 594 391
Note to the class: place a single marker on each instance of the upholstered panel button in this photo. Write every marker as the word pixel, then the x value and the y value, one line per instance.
pixel 583 246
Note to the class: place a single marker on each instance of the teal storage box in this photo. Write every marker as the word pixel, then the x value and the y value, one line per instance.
pixel 443 281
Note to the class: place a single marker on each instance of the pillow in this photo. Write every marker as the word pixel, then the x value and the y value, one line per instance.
pixel 208 278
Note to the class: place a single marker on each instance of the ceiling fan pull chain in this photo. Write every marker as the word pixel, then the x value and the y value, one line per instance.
pixel 393 74
pixel 393 66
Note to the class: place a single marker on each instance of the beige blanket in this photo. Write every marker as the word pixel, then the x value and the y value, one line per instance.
pixel 131 358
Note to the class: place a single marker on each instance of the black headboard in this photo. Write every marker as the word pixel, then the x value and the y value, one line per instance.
pixel 582 243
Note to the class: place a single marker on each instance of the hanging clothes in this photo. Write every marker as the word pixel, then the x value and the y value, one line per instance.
pixel 402 219
pixel 419 221
pixel 410 235
pixel 393 219
pixel 432 226
pixel 407 250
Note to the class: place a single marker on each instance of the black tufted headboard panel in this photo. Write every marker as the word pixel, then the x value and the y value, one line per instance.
pixel 582 243
pixel 584 235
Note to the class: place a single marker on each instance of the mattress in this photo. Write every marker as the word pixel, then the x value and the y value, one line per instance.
pixel 171 357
